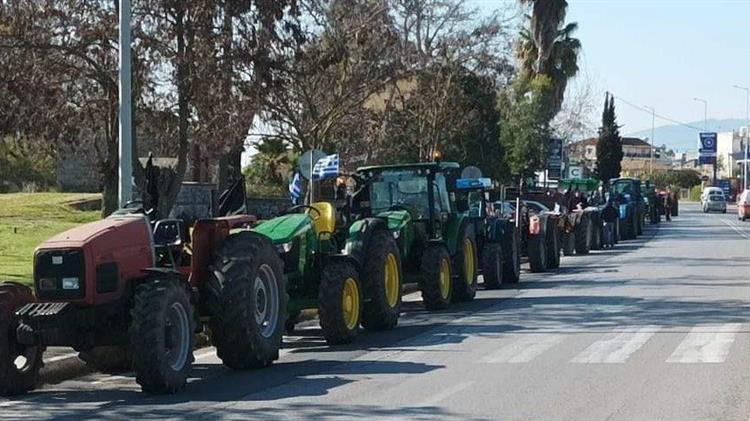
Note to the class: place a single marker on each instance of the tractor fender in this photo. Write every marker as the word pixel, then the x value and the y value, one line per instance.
pixel 12 297
pixel 358 264
pixel 360 234
pixel 454 227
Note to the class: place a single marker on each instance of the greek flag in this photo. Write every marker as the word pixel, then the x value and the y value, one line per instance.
pixel 326 167
pixel 295 188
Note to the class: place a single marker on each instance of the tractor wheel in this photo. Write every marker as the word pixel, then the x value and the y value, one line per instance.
pixel 19 364
pixel 466 262
pixel 382 283
pixel 639 223
pixel 107 359
pixel 583 235
pixel 492 266
pixel 247 301
pixel 511 256
pixel 340 302
pixel 596 232
pixel 538 253
pixel 553 245
pixel 162 334
pixel 437 277
pixel 568 243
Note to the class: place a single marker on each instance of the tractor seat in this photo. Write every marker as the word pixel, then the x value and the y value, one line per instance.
pixel 326 221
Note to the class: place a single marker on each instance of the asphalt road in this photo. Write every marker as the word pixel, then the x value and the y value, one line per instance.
pixel 655 329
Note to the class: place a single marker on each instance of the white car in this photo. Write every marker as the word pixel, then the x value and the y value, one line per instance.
pixel 709 191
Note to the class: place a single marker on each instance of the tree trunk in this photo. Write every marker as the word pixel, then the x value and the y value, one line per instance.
pixel 230 167
pixel 109 189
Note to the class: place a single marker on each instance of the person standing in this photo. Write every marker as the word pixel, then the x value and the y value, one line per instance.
pixel 609 215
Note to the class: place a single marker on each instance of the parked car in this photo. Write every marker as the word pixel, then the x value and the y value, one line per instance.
pixel 743 205
pixel 715 202
pixel 708 191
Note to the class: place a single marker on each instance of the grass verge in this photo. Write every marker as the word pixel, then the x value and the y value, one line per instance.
pixel 27 219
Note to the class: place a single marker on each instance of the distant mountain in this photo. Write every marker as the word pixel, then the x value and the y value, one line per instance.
pixel 681 138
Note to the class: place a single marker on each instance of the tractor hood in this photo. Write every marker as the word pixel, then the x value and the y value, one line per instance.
pixel 285 228
pixel 122 228
pixel 395 219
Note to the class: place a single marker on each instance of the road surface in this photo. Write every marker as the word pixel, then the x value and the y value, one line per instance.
pixel 655 329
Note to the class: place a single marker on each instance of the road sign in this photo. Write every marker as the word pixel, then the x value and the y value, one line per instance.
pixel 726 187
pixel 554 159
pixel 707 151
pixel 576 172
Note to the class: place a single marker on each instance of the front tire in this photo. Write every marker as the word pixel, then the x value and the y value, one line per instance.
pixel 466 262
pixel 537 253
pixel 162 335
pixel 437 277
pixel 340 302
pixel 247 301
pixel 382 283
pixel 583 235
pixel 553 245
pixel 19 364
pixel 492 266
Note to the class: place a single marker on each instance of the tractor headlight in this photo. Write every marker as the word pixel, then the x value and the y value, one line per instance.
pixel 396 234
pixel 285 247
pixel 70 283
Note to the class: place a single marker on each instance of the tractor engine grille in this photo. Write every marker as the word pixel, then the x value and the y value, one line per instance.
pixel 60 274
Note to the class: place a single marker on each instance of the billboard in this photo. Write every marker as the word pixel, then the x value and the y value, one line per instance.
pixel 707 150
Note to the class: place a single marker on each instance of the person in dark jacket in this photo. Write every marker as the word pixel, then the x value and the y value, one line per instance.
pixel 609 216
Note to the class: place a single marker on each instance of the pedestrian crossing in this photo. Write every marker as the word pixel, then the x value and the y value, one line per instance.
pixel 711 343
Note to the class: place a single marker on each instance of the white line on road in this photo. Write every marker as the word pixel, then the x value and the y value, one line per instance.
pixel 736 228
pixel 706 344
pixel 445 394
pixel 616 347
pixel 525 349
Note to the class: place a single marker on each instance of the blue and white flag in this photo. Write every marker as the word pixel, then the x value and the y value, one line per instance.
pixel 295 188
pixel 326 167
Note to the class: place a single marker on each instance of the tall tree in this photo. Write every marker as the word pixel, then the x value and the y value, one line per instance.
pixel 609 146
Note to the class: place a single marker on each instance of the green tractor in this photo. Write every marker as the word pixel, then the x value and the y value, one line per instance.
pixel 405 215
pixel 318 275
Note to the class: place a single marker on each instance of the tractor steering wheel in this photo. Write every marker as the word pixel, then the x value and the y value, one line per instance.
pixel 307 207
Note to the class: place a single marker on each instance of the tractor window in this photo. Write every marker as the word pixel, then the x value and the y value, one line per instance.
pixel 442 199
pixel 402 189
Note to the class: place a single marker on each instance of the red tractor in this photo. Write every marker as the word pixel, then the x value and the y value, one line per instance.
pixel 130 292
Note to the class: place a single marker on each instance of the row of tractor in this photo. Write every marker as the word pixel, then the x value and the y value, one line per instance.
pixel 131 291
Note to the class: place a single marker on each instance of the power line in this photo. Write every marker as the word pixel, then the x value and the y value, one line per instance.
pixel 669 119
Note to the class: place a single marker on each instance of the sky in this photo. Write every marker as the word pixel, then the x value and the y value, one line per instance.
pixel 662 54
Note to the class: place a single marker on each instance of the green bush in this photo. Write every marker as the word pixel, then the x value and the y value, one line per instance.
pixel 24 169
pixel 695 193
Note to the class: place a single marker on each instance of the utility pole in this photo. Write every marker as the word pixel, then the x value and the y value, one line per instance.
pixel 126 117
pixel 653 123
pixel 705 129
pixel 746 138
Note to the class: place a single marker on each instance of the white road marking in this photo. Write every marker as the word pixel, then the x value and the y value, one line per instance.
pixel 61 357
pixel 706 344
pixel 445 394
pixel 525 349
pixel 736 228
pixel 616 347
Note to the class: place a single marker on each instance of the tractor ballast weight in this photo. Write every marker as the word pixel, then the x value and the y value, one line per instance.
pixel 127 292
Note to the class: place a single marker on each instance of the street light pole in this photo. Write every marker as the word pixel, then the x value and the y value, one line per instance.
pixel 653 123
pixel 705 128
pixel 746 139
pixel 125 174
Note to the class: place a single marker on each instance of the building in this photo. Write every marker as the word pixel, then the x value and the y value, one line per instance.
pixel 639 156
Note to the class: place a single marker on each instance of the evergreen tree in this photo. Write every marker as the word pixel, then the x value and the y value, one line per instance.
pixel 609 147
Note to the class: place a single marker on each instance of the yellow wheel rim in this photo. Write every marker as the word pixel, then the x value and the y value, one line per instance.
pixel 392 282
pixel 350 303
pixel 469 261
pixel 445 278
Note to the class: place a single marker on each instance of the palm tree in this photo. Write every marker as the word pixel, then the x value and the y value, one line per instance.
pixel 547 48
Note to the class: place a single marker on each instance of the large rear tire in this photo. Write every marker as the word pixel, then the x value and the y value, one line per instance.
pixel 247 301
pixel 583 235
pixel 538 253
pixel 511 255
pixel 492 265
pixel 107 359
pixel 466 263
pixel 382 283
pixel 19 364
pixel 162 335
pixel 340 302
pixel 437 277
pixel 553 244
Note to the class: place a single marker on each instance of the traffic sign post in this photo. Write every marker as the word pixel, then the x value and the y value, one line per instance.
pixel 707 151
